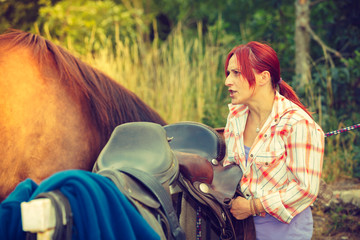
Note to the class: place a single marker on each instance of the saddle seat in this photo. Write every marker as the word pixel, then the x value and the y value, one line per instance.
pixel 197 138
pixel 142 146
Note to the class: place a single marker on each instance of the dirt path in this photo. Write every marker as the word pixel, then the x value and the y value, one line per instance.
pixel 339 218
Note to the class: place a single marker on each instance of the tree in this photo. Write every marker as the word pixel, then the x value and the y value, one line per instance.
pixel 302 44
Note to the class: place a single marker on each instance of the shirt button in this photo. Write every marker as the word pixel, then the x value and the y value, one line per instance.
pixel 266 163
pixel 244 179
pixel 265 135
pixel 251 155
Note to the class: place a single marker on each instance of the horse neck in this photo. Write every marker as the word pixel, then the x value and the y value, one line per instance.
pixel 112 104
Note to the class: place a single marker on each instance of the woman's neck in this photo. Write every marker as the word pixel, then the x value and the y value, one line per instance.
pixel 261 107
pixel 259 111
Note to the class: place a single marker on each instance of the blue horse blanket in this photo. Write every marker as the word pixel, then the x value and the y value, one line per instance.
pixel 100 210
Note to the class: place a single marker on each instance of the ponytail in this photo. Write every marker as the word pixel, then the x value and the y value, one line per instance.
pixel 287 91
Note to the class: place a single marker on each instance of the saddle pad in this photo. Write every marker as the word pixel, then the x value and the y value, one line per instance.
pixel 142 146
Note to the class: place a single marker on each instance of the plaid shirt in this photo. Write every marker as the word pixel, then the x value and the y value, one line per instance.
pixel 285 161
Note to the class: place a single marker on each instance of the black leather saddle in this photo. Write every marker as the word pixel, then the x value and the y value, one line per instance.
pixel 139 160
pixel 200 152
pixel 198 138
pixel 142 146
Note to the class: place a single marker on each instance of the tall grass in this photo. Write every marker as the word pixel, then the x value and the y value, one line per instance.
pixel 180 78
pixel 340 160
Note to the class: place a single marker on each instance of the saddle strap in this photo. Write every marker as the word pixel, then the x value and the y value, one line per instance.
pixel 141 198
pixel 220 211
pixel 162 196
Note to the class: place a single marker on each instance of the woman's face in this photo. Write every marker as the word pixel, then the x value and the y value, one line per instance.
pixel 239 88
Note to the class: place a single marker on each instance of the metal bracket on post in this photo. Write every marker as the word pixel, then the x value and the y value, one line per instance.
pixel 38 216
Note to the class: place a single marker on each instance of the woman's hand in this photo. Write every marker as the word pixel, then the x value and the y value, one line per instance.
pixel 240 208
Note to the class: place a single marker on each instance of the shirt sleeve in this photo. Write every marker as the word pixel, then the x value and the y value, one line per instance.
pixel 305 150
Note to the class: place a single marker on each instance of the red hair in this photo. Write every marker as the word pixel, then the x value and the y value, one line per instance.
pixel 261 57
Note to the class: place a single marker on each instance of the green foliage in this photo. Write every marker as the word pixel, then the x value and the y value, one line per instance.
pixel 266 21
pixel 90 22
pixel 333 95
pixel 337 22
pixel 190 12
pixel 20 14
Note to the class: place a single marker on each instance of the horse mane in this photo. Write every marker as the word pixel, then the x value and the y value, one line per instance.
pixel 110 103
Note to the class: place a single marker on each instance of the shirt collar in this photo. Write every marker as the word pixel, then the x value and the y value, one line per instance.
pixel 281 106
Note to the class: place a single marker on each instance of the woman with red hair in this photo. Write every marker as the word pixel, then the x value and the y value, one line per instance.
pixel 276 143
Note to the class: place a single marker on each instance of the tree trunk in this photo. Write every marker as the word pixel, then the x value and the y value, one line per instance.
pixel 302 44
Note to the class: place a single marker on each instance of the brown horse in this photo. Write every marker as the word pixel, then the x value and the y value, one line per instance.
pixel 56 112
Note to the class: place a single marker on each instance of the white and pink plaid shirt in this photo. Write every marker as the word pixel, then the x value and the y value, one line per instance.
pixel 285 161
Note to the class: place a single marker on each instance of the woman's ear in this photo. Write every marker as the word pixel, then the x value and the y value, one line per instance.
pixel 265 78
